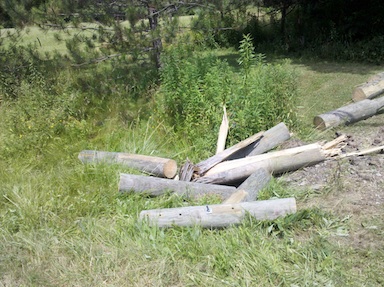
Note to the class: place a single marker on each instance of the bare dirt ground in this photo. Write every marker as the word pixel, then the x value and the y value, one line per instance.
pixel 351 188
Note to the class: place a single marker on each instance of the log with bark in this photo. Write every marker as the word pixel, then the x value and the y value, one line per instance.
pixel 162 167
pixel 349 114
pixel 271 139
pixel 274 162
pixel 219 215
pixel 370 89
pixel 154 186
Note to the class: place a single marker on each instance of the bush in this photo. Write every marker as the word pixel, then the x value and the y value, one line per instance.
pixel 195 86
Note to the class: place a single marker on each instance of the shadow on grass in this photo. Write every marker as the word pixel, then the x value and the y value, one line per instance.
pixel 316 65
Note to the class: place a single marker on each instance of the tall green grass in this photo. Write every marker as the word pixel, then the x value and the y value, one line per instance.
pixel 63 223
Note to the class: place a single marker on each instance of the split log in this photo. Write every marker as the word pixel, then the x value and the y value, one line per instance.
pixel 158 186
pixel 205 165
pixel 186 171
pixel 349 114
pixel 369 90
pixel 376 149
pixel 275 162
pixel 223 132
pixel 162 167
pixel 219 215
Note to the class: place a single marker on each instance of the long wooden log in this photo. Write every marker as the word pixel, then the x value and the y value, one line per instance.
pixel 369 90
pixel 158 186
pixel 205 165
pixel 162 167
pixel 275 162
pixel 271 139
pixel 250 188
pixel 219 215
pixel 349 114
pixel 254 183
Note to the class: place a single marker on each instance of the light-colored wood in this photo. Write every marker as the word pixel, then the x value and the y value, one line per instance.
pixel 186 171
pixel 221 215
pixel 271 139
pixel 363 152
pixel 255 182
pixel 162 167
pixel 336 142
pixel 236 197
pixel 274 162
pixel 223 132
pixel 158 186
pixel 369 90
pixel 349 114
pixel 205 165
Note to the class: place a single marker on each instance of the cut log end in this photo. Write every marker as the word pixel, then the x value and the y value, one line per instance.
pixel 319 123
pixel 358 95
pixel 170 169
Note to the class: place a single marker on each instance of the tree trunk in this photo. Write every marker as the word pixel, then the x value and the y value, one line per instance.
pixel 219 215
pixel 156 42
pixel 369 90
pixel 207 164
pixel 349 114
pixel 162 167
pixel 275 162
pixel 159 186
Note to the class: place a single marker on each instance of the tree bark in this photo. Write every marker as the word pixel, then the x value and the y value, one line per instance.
pixel 274 162
pixel 207 164
pixel 219 215
pixel 158 186
pixel 254 183
pixel 271 139
pixel 369 90
pixel 349 114
pixel 162 167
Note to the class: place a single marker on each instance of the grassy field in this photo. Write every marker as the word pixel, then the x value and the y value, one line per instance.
pixel 63 223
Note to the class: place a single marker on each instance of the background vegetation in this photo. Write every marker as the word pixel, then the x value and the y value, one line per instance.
pixel 82 84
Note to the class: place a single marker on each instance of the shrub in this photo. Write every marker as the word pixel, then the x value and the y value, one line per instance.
pixel 195 86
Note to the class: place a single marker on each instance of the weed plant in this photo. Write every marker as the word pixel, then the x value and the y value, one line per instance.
pixel 195 86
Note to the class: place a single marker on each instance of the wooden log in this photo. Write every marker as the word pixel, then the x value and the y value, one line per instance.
pixel 219 215
pixel 162 167
pixel 275 162
pixel 158 186
pixel 223 132
pixel 254 183
pixel 205 165
pixel 271 139
pixel 236 197
pixel 349 114
pixel 186 171
pixel 369 90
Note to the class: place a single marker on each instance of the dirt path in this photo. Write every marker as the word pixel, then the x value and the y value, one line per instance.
pixel 351 188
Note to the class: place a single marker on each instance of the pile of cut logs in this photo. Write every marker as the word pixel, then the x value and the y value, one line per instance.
pixel 238 173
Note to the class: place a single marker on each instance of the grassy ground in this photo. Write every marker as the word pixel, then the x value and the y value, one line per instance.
pixel 63 223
